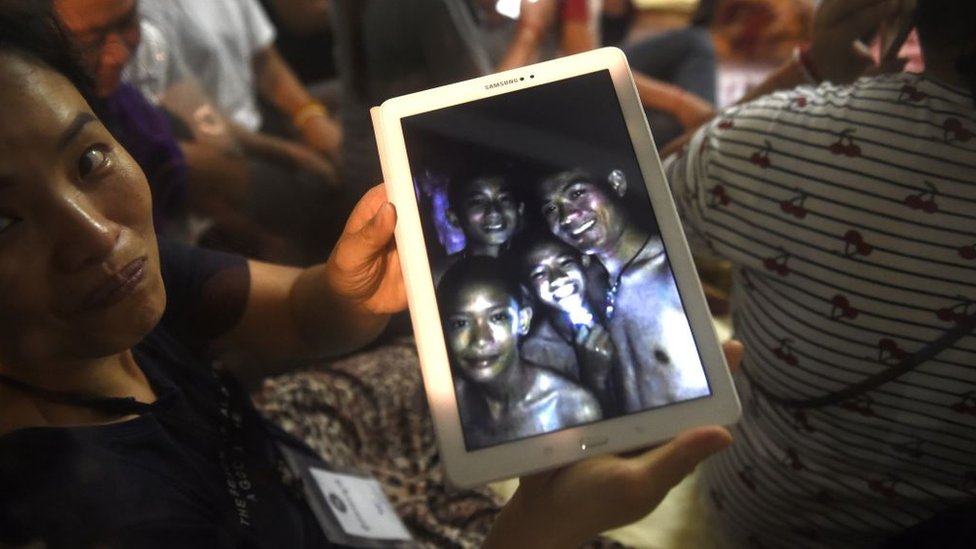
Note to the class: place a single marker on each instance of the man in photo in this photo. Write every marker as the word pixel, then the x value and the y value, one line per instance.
pixel 647 323
pixel 501 397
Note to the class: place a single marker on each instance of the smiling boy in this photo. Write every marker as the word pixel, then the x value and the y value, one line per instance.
pixel 501 396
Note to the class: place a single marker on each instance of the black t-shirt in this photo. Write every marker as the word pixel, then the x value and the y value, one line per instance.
pixel 200 469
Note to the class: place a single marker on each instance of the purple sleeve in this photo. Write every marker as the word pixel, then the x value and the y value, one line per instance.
pixel 145 132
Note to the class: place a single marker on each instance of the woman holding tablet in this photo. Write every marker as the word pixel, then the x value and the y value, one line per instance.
pixel 115 431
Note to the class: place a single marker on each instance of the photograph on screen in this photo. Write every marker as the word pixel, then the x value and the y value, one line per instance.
pixel 557 300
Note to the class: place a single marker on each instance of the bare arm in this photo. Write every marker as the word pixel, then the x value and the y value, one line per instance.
pixel 687 107
pixel 328 309
pixel 280 150
pixel 281 87
pixel 535 21
pixel 577 37
pixel 303 16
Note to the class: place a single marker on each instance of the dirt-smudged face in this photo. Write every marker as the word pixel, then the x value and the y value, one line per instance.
pixel 489 211
pixel 483 324
pixel 581 212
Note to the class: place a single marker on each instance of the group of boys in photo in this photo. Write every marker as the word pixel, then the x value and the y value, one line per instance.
pixel 560 308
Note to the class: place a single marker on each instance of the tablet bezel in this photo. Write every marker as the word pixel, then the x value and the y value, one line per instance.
pixel 519 457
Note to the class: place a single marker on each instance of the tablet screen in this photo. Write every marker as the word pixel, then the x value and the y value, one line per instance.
pixel 556 297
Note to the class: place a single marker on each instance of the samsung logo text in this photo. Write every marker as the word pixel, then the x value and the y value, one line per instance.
pixel 501 83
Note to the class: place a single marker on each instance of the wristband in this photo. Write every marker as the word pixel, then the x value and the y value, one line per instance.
pixel 803 61
pixel 307 111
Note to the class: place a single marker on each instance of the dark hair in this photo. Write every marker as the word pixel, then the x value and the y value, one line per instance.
pixel 476 168
pixel 530 240
pixel 950 24
pixel 32 29
pixel 594 274
pixel 482 270
pixel 535 201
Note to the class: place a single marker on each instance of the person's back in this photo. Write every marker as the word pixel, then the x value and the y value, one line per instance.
pixel 848 211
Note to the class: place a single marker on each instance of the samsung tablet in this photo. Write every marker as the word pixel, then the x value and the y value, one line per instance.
pixel 554 301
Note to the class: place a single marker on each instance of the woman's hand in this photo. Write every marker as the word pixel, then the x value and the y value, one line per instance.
pixel 835 50
pixel 364 267
pixel 567 506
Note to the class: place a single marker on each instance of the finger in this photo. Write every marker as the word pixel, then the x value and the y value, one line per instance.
pixel 733 350
pixel 656 471
pixel 859 17
pixel 366 208
pixel 377 233
pixel 667 465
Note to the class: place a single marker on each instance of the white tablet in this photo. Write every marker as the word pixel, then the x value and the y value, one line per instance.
pixel 556 308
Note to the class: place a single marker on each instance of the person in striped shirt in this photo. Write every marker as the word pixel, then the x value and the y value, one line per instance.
pixel 847 209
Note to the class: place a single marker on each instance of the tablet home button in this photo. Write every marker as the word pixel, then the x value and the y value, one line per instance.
pixel 592 442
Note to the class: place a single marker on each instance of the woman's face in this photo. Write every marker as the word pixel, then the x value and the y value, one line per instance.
pixel 79 267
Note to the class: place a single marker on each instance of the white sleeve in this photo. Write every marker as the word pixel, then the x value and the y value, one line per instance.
pixel 259 27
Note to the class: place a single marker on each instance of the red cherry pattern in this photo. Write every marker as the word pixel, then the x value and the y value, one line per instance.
pixel 777 264
pixel 967 405
pixel 953 130
pixel 761 157
pixel 957 313
pixel 845 144
pixel 924 200
pixel 889 351
pixel 841 308
pixel 794 206
pixel 968 252
pixel 854 244
pixel 717 196
pixel 785 352
pixel 911 93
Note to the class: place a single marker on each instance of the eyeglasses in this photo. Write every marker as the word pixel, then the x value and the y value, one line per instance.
pixel 93 41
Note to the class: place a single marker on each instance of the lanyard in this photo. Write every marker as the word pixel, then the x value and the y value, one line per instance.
pixel 115 406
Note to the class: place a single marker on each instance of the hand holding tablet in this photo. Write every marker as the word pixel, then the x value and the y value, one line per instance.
pixel 555 304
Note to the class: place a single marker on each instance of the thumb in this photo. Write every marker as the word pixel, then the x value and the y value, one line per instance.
pixel 667 465
pixel 377 233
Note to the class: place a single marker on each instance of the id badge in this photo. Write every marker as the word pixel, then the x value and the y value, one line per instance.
pixel 351 508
